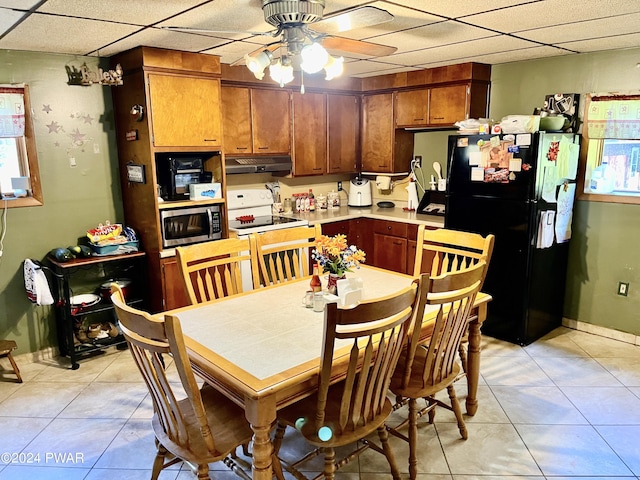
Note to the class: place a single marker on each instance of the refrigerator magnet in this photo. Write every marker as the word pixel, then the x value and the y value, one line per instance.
pixel 515 164
pixel 477 174
pixel 463 142
pixel 523 139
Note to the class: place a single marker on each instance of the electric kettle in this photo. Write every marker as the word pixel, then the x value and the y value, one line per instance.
pixel 360 192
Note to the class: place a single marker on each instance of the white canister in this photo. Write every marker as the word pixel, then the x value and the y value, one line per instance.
pixel 333 199
pixel 321 202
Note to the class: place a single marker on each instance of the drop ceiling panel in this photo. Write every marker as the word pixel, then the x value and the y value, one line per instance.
pixel 20 4
pixel 72 35
pixel 233 51
pixel 551 13
pixel 136 12
pixel 504 57
pixel 8 18
pixel 163 39
pixel 404 18
pixel 591 29
pixel 442 33
pixel 225 15
pixel 459 8
pixel 609 43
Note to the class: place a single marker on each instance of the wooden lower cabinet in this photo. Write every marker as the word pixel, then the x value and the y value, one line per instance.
pixel 173 291
pixel 333 228
pixel 390 252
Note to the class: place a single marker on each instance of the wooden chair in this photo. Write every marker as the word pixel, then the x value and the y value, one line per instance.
pixel 212 270
pixel 426 369
pixel 443 250
pixel 6 347
pixel 283 255
pixel 203 428
pixel 372 336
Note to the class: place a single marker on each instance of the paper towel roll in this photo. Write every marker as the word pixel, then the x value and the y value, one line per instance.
pixel 383 182
pixel 412 200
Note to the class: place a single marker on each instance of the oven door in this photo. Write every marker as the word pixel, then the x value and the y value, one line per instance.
pixel 184 226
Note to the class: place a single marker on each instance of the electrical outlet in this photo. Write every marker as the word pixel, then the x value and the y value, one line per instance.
pixel 623 289
pixel 339 186
pixel 418 161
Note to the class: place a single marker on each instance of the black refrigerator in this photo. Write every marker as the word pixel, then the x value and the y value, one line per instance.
pixel 521 188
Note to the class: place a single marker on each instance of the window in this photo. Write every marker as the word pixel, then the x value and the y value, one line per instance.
pixel 19 172
pixel 611 165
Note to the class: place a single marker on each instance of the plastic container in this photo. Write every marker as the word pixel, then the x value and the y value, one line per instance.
pixel 117 249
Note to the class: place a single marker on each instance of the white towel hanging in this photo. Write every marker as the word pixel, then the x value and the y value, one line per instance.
pixel 36 284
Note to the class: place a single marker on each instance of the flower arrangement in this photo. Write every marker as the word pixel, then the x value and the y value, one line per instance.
pixel 335 256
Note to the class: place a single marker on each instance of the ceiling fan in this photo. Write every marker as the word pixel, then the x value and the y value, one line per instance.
pixel 306 47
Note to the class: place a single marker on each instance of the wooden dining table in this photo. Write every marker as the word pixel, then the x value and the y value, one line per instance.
pixel 262 349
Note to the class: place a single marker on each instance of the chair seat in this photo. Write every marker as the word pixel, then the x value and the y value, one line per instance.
pixel 7 346
pixel 232 428
pixel 415 388
pixel 302 409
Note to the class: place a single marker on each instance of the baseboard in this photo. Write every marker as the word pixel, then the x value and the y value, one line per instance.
pixel 48 353
pixel 601 331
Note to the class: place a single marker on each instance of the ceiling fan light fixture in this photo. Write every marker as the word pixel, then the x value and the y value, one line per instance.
pixel 257 63
pixel 280 73
pixel 314 58
pixel 334 67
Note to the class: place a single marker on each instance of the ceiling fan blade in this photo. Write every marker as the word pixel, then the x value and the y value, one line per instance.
pixel 272 47
pixel 213 32
pixel 353 19
pixel 359 47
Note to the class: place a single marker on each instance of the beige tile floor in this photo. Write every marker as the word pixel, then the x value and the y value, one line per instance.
pixel 565 407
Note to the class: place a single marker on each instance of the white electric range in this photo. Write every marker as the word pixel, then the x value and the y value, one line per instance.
pixel 250 211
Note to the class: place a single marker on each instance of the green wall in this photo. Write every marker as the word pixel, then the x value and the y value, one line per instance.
pixel 70 122
pixel 604 247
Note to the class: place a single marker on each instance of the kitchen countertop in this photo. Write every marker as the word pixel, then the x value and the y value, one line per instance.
pixel 396 214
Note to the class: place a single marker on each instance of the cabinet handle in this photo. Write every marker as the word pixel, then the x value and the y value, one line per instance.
pixel 319 168
pixel 263 148
pixel 397 242
pixel 241 148
pixel 416 119
pixel 438 118
pixel 388 227
pixel 210 139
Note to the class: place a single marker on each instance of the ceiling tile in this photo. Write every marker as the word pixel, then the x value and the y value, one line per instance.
pixel 8 18
pixel 459 8
pixel 163 39
pixel 138 12
pixel 438 34
pixel 609 43
pixel 550 13
pixel 504 57
pixel 73 36
pixel 19 4
pixel 591 29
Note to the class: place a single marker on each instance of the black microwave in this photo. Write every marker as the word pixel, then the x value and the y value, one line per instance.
pixel 176 172
pixel 183 226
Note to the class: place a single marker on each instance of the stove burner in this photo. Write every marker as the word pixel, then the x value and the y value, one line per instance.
pixel 245 218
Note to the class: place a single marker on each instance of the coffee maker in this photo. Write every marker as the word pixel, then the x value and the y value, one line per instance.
pixel 177 172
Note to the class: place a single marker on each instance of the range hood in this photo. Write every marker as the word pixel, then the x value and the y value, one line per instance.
pixel 258 164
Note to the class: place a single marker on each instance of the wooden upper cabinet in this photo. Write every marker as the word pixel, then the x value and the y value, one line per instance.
pixel 236 120
pixel 377 132
pixel 449 105
pixel 412 108
pixel 343 118
pixel 185 111
pixel 271 120
pixel 384 148
pixel 309 134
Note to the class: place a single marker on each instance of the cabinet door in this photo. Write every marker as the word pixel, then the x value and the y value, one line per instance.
pixel 412 108
pixel 185 111
pixel 343 113
pixel 271 121
pixel 236 120
pixel 333 228
pixel 173 292
pixel 309 134
pixel 361 235
pixel 377 133
pixel 390 252
pixel 448 105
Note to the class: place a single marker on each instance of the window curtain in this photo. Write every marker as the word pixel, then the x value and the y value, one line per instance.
pixel 615 117
pixel 11 111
